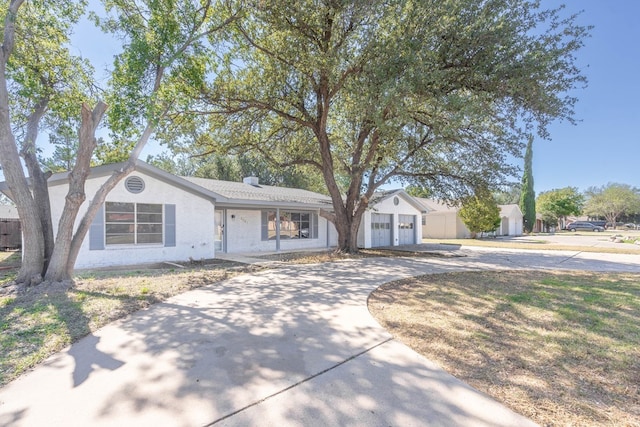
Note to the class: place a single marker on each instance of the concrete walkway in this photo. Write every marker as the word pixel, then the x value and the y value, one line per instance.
pixel 292 346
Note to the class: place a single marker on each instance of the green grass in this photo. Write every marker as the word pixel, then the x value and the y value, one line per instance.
pixel 37 324
pixel 561 348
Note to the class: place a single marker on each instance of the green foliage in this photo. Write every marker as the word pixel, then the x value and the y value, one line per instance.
pixel 164 53
pixel 416 191
pixel 528 195
pixel 435 94
pixel 510 195
pixel 480 213
pixel 64 137
pixel 611 201
pixel 559 203
pixel 236 167
pixel 42 72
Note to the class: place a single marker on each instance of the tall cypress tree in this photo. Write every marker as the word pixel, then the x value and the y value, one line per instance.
pixel 528 195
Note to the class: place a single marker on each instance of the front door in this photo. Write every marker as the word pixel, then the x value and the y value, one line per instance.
pixel 218 241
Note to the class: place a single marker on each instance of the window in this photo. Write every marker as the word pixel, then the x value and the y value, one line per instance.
pixel 133 223
pixel 293 225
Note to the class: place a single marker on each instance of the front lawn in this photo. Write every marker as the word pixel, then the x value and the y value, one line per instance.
pixel 562 348
pixel 46 320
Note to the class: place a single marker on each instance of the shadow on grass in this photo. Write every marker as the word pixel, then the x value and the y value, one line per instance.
pixel 49 318
pixel 559 348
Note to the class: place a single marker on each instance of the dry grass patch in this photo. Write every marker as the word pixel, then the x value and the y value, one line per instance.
pixel 313 257
pixel 560 348
pixel 47 319
pixel 537 243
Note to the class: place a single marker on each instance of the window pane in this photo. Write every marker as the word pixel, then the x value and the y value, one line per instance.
pixel 119 217
pixel 150 238
pixel 149 208
pixel 119 207
pixel 119 228
pixel 150 218
pixel 149 228
pixel 120 239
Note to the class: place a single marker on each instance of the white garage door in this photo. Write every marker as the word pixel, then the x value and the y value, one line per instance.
pixel 380 230
pixel 406 229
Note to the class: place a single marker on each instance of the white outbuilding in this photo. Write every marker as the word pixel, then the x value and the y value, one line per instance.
pixel 393 219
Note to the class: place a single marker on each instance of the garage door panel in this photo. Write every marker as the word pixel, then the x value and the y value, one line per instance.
pixel 380 230
pixel 406 229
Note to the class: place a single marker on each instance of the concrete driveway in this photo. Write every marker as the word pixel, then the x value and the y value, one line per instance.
pixel 290 346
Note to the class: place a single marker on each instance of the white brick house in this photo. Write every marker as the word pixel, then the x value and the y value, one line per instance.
pixel 154 216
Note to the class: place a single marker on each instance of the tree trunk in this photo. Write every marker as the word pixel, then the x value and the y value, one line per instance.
pixel 101 196
pixel 33 247
pixel 39 179
pixel 60 268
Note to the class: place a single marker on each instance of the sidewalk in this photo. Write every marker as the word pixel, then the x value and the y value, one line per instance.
pixel 289 346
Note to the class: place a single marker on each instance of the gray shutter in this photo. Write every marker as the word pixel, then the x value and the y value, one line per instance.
pixel 315 226
pixel 265 225
pixel 96 231
pixel 169 225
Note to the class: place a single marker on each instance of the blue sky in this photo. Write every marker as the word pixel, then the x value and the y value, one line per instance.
pixel 603 147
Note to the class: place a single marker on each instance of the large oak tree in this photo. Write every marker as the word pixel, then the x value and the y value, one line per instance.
pixel 439 94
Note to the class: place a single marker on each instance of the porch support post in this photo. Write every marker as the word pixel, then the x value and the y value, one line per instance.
pixel 278 229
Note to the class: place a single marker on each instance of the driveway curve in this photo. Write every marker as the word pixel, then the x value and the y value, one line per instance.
pixel 290 346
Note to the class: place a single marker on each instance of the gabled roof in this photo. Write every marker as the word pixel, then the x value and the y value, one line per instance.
pixel 437 206
pixel 380 196
pixel 223 193
pixel 140 166
pixel 240 193
pixel 508 210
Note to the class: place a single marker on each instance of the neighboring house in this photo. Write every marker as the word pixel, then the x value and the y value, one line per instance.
pixel 443 222
pixel 393 219
pixel 10 230
pixel 511 221
pixel 8 212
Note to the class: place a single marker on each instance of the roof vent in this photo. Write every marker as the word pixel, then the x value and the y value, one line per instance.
pixel 251 180
pixel 134 184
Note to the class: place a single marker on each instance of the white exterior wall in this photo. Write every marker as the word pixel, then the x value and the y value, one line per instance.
pixel 387 206
pixel 444 225
pixel 243 230
pixel 8 212
pixel 515 226
pixel 194 224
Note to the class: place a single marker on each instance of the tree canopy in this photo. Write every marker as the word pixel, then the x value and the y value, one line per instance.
pixel 557 204
pixel 611 201
pixel 480 213
pixel 528 195
pixel 432 93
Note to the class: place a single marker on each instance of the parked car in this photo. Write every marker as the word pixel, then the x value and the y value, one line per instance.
pixel 631 226
pixel 584 225
pixel 602 224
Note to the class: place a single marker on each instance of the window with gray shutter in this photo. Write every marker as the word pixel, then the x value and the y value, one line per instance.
pixel 96 231
pixel 169 225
